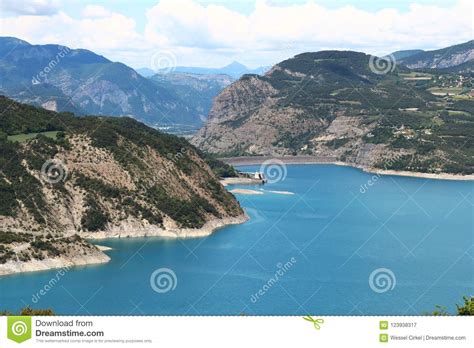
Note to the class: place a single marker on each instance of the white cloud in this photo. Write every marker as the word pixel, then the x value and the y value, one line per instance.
pixel 101 34
pixel 200 34
pixel 95 11
pixel 186 23
pixel 30 7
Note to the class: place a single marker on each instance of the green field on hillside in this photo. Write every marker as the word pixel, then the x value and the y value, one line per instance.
pixel 27 136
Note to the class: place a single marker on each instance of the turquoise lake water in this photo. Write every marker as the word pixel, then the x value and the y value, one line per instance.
pixel 322 243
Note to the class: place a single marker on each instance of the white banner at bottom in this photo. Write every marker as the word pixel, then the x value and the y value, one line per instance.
pixel 242 331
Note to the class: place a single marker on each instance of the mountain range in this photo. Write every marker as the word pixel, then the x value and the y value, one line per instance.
pixel 63 79
pixel 443 58
pixel 399 55
pixel 234 70
pixel 342 105
pixel 328 103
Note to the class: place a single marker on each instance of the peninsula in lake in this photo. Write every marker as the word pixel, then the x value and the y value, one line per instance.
pixel 65 178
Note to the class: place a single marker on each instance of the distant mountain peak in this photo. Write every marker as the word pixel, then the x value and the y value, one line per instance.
pixel 236 64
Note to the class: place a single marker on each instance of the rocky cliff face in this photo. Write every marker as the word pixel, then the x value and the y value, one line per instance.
pixel 103 174
pixel 245 118
pixel 442 58
pixel 337 104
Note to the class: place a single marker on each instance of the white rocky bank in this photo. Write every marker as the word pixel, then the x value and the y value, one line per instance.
pixel 12 267
pixel 125 230
pixel 132 229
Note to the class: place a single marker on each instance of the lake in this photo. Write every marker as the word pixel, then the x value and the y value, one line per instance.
pixel 337 246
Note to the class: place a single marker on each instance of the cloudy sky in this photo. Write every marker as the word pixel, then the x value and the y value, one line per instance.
pixel 156 33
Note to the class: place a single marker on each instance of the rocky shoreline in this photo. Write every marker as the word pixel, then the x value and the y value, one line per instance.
pixel 13 267
pixel 97 256
pixel 125 231
pixel 256 160
pixel 437 176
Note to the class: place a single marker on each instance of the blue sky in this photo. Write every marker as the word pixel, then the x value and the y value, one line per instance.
pixel 155 33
